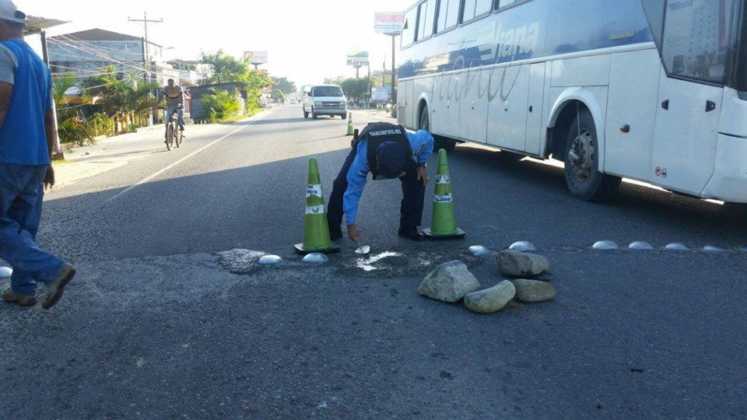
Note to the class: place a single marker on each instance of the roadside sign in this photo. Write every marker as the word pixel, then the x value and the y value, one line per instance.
pixel 257 57
pixel 390 23
pixel 358 59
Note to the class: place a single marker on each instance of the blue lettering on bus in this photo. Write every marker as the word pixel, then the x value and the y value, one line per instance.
pixel 536 29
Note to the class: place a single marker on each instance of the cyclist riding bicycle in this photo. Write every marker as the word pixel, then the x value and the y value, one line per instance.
pixel 175 96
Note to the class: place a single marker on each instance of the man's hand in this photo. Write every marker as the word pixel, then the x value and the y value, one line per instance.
pixel 49 180
pixel 423 175
pixel 353 233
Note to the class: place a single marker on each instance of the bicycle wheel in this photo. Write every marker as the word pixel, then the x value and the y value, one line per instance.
pixel 169 136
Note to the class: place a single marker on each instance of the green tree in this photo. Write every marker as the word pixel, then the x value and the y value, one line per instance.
pixel 283 85
pixel 355 88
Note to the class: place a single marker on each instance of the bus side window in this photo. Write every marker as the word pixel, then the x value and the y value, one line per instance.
pixel 468 11
pixel 443 9
pixel 452 16
pixel 420 28
pixel 500 4
pixel 483 6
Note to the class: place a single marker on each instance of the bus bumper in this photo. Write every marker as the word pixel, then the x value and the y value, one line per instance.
pixel 729 181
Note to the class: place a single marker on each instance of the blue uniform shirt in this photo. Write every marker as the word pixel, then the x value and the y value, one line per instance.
pixel 421 143
pixel 23 136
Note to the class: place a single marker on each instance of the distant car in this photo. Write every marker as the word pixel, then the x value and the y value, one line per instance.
pixel 325 100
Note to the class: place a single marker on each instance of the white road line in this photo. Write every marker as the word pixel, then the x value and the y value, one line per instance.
pixel 182 160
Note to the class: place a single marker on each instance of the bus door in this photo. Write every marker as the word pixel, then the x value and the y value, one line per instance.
pixel 474 105
pixel 695 47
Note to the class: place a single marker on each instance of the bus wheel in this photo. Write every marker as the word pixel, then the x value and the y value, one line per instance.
pixel 582 174
pixel 424 123
pixel 736 210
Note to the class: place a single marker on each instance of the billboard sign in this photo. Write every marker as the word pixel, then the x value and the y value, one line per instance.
pixel 390 23
pixel 257 57
pixel 358 59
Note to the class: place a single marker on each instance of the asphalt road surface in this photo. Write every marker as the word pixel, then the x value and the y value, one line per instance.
pixel 156 327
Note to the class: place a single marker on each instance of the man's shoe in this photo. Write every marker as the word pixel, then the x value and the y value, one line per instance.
pixel 413 235
pixel 9 296
pixel 57 287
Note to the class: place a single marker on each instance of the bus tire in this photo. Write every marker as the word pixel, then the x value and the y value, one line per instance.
pixel 736 210
pixel 582 175
pixel 424 123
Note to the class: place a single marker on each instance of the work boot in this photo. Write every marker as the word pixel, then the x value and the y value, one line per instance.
pixel 412 234
pixel 9 296
pixel 57 287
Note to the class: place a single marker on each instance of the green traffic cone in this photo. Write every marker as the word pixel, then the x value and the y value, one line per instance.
pixel 444 225
pixel 316 228
pixel 350 124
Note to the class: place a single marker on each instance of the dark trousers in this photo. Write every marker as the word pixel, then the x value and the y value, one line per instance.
pixel 411 210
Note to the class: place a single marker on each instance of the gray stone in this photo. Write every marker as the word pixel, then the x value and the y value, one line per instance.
pixel 534 291
pixel 5 272
pixel 522 264
pixel 491 300
pixel 449 282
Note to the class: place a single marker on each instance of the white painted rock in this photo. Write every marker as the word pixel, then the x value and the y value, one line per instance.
pixel 713 249
pixel 522 264
pixel 641 246
pixel 479 251
pixel 270 260
pixel 315 258
pixel 6 272
pixel 491 300
pixel 534 291
pixel 676 247
pixel 522 246
pixel 606 246
pixel 449 282
pixel 364 250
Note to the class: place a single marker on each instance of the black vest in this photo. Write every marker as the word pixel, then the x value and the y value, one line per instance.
pixel 377 134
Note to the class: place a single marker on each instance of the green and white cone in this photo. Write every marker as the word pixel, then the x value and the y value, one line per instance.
pixel 443 225
pixel 316 228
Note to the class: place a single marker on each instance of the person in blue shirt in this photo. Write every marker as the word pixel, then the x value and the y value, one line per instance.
pixel 27 138
pixel 387 151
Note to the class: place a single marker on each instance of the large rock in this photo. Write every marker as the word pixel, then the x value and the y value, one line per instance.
pixel 534 291
pixel 522 264
pixel 449 282
pixel 240 261
pixel 491 300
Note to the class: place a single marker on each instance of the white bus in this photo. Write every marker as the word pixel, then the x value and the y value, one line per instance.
pixel 652 90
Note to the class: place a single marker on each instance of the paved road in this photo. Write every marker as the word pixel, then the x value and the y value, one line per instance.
pixel 155 327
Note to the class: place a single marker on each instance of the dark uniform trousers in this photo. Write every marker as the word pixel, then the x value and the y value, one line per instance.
pixel 411 210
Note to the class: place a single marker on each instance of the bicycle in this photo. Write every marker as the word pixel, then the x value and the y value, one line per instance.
pixel 174 136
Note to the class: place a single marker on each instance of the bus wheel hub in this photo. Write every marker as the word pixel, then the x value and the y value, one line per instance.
pixel 582 155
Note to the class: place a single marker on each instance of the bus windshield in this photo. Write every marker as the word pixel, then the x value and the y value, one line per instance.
pixel 697 38
pixel 326 91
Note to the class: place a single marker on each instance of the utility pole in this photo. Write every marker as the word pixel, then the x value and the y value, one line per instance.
pixel 146 50
pixel 394 74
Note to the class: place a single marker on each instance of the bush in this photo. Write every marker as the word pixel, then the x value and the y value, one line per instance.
pixel 75 130
pixel 222 105
pixel 101 124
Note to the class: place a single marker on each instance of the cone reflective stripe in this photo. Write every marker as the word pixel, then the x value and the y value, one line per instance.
pixel 350 123
pixel 316 228
pixel 444 225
